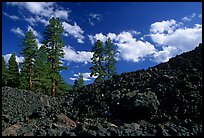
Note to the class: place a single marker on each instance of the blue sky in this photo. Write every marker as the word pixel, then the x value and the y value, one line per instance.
pixel 144 34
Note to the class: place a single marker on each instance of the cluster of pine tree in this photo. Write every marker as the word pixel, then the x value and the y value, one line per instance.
pixel 40 70
pixel 103 60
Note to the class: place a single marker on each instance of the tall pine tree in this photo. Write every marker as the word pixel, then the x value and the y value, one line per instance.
pixel 13 72
pixel 42 81
pixel 29 52
pixel 79 82
pixel 97 61
pixel 4 72
pixel 110 59
pixel 54 45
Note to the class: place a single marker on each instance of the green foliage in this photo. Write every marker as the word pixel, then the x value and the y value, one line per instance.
pixel 76 85
pixel 103 60
pixel 4 72
pixel 29 52
pixel 63 87
pixel 42 79
pixel 97 61
pixel 110 59
pixel 80 82
pixel 24 80
pixel 54 46
pixel 13 73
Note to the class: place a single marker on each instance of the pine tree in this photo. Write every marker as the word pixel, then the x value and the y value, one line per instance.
pixel 13 72
pixel 4 72
pixel 63 87
pixel 42 80
pixel 24 79
pixel 29 52
pixel 97 61
pixel 54 46
pixel 110 59
pixel 80 80
pixel 76 85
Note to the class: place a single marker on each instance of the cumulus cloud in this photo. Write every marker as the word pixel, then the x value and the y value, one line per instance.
pixel 76 56
pixel 188 18
pixel 18 59
pixel 62 14
pixel 180 40
pixel 160 27
pixel 96 37
pixel 86 76
pixel 73 30
pixel 13 17
pixel 166 53
pixel 128 47
pixel 18 31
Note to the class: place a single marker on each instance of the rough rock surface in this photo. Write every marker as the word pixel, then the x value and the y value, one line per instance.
pixel 165 100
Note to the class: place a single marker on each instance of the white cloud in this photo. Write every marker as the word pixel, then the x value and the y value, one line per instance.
pixel 165 54
pixel 73 79
pixel 13 17
pixel 73 30
pixel 179 41
pixel 160 27
pixel 131 49
pixel 94 17
pixel 42 20
pixel 188 18
pixel 111 36
pixel 76 56
pixel 133 32
pixel 86 76
pixel 36 8
pixel 91 22
pixel 96 37
pixel 18 31
pixel 62 14
pixel 34 31
pixel 128 47
pixel 18 59
pixel 41 10
pixel 31 20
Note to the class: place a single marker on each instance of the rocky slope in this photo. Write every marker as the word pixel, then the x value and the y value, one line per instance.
pixel 162 100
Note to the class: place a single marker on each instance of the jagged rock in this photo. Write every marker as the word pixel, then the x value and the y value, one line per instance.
pixel 65 120
pixel 11 131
